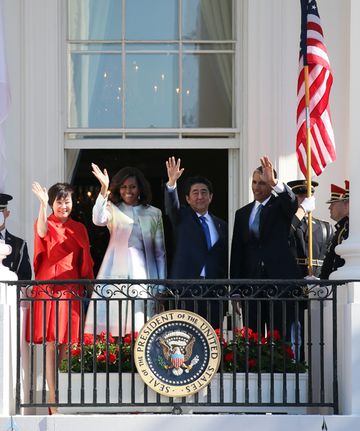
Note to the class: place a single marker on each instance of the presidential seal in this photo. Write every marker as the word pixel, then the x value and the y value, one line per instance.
pixel 177 353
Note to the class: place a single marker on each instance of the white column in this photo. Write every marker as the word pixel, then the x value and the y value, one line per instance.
pixel 350 249
pixel 7 336
pixel 349 295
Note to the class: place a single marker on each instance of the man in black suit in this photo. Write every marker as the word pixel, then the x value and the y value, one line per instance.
pixel 200 238
pixel 322 231
pixel 260 244
pixel 18 261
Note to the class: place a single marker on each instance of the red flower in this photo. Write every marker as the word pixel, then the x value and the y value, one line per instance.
pixel 112 357
pixel 254 337
pixel 127 339
pixel 275 335
pixel 252 363
pixel 101 358
pixel 88 339
pixel 289 351
pixel 75 352
pixel 243 332
pixel 229 357
pixel 104 337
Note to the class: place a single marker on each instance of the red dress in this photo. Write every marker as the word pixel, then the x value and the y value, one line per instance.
pixel 63 254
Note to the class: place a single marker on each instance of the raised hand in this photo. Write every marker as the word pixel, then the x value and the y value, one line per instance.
pixel 41 193
pixel 173 170
pixel 268 171
pixel 102 177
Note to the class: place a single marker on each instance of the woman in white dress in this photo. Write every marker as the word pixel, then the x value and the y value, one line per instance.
pixel 136 250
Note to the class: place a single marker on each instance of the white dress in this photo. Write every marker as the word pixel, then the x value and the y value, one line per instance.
pixel 136 250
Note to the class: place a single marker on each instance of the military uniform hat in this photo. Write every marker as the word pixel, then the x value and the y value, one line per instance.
pixel 337 194
pixel 347 188
pixel 299 187
pixel 4 199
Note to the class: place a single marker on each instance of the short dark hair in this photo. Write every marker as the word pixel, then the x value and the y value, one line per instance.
pixel 197 180
pixel 59 191
pixel 122 175
pixel 260 169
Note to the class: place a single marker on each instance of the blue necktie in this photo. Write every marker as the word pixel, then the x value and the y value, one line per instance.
pixel 255 225
pixel 206 230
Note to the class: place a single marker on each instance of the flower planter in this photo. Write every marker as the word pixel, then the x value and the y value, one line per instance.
pixel 256 387
pixel 221 390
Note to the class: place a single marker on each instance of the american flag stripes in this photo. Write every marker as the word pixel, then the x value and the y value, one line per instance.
pixel 313 53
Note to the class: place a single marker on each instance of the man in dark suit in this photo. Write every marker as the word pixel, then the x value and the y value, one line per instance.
pixel 339 211
pixel 322 232
pixel 200 238
pixel 260 244
pixel 18 261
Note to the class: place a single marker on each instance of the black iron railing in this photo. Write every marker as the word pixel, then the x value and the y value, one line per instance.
pixel 278 341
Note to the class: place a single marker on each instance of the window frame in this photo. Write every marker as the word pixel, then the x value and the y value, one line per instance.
pixel 177 137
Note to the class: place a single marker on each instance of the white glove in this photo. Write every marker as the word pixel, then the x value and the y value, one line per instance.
pixel 308 204
pixel 311 278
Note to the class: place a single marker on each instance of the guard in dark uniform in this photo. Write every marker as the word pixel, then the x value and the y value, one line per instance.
pixel 322 233
pixel 18 261
pixel 339 211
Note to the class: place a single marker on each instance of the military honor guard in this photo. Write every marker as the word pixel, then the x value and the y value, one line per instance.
pixel 18 261
pixel 339 211
pixel 322 232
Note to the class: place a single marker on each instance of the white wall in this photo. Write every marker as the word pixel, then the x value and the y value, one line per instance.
pixel 33 130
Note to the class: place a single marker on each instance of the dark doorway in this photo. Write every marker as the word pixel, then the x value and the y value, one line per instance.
pixel 212 164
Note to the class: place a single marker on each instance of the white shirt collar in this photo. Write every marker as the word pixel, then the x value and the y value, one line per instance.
pixel 263 203
pixel 206 215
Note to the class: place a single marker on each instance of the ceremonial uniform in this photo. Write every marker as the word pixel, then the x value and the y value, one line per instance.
pixel 339 201
pixel 332 260
pixel 18 260
pixel 322 233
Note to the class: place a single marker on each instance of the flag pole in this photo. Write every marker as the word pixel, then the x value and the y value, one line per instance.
pixel 308 166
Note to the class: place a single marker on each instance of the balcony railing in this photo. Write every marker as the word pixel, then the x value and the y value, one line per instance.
pixel 278 342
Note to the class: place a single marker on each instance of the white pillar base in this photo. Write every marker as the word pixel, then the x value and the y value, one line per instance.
pixel 350 251
pixel 348 349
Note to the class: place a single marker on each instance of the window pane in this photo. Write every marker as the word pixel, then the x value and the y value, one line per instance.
pixel 152 90
pixel 94 19
pixel 95 91
pixel 151 20
pixel 207 90
pixel 208 46
pixel 95 48
pixel 207 19
pixel 174 47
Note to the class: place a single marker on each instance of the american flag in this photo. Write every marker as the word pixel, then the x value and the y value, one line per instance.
pixel 313 53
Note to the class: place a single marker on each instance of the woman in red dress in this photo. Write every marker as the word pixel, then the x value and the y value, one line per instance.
pixel 61 252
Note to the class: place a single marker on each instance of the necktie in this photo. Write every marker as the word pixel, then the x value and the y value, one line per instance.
pixel 255 226
pixel 206 230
